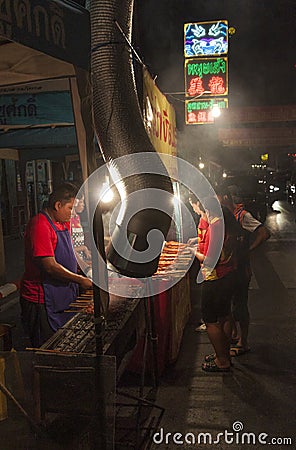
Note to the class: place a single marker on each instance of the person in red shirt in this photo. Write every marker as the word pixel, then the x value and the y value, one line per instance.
pixel 200 239
pixel 202 224
pixel 50 281
pixel 218 284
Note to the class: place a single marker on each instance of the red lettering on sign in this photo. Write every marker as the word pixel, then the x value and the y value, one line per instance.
pixel 196 86
pixel 216 85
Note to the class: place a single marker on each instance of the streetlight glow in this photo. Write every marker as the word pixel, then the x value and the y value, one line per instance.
pixel 107 194
pixel 216 112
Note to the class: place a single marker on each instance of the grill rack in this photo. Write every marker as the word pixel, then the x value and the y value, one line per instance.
pixel 78 335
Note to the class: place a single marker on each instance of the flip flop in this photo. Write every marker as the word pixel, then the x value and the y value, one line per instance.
pixel 238 350
pixel 201 327
pixel 212 357
pixel 212 367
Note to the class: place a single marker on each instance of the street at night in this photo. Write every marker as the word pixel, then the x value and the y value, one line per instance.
pixel 259 392
pixel 147 224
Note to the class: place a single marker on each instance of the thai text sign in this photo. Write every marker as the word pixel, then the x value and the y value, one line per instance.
pixel 36 109
pixel 206 76
pixel 57 84
pixel 50 26
pixel 206 38
pixel 200 111
pixel 159 119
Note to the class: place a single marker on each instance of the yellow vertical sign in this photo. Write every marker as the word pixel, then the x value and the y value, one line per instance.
pixel 159 119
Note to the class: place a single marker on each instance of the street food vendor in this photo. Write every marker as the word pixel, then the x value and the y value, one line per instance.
pixel 50 281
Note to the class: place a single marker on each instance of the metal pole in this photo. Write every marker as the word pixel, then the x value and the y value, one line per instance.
pixel 154 337
pixel 100 428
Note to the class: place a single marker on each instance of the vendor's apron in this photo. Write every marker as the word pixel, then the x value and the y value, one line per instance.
pixel 57 293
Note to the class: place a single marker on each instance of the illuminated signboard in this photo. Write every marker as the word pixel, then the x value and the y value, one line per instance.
pixel 206 38
pixel 200 111
pixel 206 76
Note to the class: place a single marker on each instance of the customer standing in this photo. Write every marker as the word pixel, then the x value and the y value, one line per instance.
pixel 218 284
pixel 199 240
pixel 50 281
pixel 254 233
pixel 202 224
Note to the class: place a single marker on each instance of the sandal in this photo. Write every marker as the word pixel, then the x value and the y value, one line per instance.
pixel 238 350
pixel 212 367
pixel 201 327
pixel 212 357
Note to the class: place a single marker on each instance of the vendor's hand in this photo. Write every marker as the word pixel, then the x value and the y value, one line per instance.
pixel 89 309
pixel 85 283
pixel 192 241
pixel 192 250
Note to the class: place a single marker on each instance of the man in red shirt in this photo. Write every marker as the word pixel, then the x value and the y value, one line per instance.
pixel 50 281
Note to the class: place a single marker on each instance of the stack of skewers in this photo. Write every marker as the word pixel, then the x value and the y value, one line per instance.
pixel 84 303
pixel 175 259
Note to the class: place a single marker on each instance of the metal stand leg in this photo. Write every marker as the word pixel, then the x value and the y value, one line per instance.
pixel 142 402
pixel 147 339
pixel 154 340
pixel 153 336
pixel 99 427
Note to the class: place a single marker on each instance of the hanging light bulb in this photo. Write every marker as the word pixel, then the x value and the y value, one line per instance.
pixel 216 110
pixel 106 192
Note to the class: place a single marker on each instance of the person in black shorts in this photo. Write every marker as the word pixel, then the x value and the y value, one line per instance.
pixel 253 234
pixel 218 284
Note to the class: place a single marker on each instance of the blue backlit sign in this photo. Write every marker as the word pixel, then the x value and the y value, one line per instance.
pixel 206 38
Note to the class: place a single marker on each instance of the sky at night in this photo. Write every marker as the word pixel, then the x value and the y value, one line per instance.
pixel 262 59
